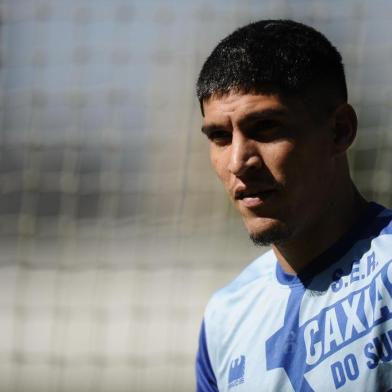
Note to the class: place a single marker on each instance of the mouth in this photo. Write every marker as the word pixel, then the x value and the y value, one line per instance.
pixel 254 199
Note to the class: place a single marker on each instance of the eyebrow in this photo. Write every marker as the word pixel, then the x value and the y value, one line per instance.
pixel 250 118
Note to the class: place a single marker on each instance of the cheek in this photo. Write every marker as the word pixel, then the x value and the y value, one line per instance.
pixel 219 164
pixel 307 169
pixel 281 160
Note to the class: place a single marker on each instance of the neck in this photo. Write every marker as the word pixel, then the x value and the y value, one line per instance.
pixel 300 250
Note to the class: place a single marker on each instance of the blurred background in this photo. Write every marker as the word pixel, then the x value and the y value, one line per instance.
pixel 114 231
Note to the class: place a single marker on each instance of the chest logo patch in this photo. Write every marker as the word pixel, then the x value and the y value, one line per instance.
pixel 237 371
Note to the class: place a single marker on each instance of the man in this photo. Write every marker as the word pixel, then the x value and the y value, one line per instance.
pixel 315 312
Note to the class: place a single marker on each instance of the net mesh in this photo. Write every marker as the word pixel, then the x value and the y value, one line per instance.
pixel 113 230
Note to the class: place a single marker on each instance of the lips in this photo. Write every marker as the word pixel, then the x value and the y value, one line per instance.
pixel 252 199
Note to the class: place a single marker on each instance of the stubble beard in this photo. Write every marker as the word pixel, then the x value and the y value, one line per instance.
pixel 272 236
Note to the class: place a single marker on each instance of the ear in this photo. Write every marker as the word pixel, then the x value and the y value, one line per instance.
pixel 345 127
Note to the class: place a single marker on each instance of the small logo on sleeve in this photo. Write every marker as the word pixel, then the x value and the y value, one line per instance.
pixel 237 371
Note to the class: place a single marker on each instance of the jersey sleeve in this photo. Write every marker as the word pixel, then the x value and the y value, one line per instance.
pixel 205 377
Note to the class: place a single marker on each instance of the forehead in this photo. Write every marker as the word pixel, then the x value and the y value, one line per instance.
pixel 234 106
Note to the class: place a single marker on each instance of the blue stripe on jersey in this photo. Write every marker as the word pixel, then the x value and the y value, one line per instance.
pixel 205 377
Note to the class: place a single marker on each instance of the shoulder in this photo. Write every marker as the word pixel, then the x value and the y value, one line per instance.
pixel 231 305
pixel 238 291
pixel 385 218
pixel 380 227
pixel 379 235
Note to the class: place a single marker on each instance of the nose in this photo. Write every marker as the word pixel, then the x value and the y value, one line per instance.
pixel 244 155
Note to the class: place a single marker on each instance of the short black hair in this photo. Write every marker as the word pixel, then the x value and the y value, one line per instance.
pixel 273 56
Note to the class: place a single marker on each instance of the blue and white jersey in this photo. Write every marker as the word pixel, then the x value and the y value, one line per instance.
pixel 328 329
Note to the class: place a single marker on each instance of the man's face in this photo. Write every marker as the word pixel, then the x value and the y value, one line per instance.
pixel 275 160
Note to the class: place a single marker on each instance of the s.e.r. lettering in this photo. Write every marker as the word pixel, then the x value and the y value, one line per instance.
pixel 358 272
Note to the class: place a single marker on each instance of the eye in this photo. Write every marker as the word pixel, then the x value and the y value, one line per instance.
pixel 220 138
pixel 265 130
pixel 263 126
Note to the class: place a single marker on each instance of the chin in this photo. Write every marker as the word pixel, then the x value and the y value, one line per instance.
pixel 268 232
